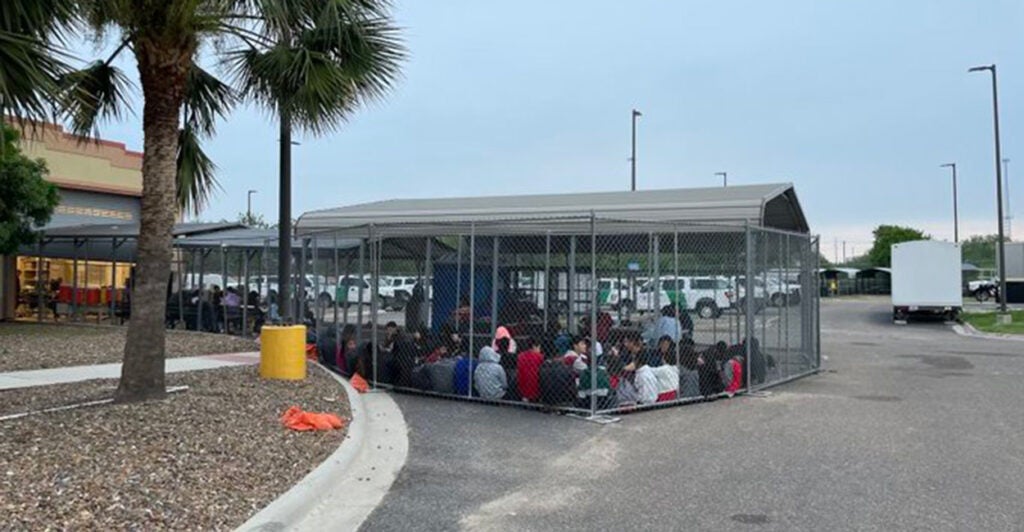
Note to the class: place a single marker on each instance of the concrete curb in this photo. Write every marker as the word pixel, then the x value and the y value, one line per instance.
pixel 968 330
pixel 341 492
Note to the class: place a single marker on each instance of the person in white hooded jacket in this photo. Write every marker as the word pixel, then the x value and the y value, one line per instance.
pixel 668 378
pixel 646 383
pixel 489 377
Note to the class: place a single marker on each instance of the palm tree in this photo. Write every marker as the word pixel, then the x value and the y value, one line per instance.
pixel 314 77
pixel 330 55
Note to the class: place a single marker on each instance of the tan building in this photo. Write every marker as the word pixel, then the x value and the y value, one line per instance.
pixel 100 182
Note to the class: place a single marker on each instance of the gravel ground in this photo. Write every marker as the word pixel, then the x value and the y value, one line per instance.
pixel 44 345
pixel 207 458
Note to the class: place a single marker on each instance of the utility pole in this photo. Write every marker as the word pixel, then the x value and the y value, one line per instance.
pixel 632 159
pixel 844 252
pixel 836 252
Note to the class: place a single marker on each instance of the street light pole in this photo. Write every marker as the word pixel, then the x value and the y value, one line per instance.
pixel 999 185
pixel 248 206
pixel 1009 211
pixel 632 159
pixel 956 221
pixel 725 178
pixel 284 221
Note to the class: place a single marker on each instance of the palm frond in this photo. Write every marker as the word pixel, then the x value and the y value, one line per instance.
pixel 370 51
pixel 330 58
pixel 29 69
pixel 315 91
pixel 196 180
pixel 207 99
pixel 95 92
pixel 40 19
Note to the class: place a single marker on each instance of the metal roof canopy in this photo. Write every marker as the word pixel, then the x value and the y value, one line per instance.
pixel 715 209
pixel 106 242
pixel 117 242
pixel 325 245
pixel 132 230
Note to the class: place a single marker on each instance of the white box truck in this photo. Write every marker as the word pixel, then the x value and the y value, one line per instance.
pixel 926 277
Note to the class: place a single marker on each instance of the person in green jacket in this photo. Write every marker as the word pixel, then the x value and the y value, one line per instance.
pixel 593 383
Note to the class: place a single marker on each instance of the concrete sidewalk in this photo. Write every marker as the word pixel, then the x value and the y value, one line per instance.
pixel 43 377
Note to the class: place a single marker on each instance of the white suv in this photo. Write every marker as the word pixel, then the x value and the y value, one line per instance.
pixel 267 285
pixel 394 287
pixel 348 290
pixel 613 293
pixel 707 296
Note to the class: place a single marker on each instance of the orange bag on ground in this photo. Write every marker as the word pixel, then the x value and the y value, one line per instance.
pixel 359 383
pixel 298 419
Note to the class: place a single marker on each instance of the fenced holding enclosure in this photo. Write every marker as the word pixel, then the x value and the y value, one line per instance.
pixel 738 305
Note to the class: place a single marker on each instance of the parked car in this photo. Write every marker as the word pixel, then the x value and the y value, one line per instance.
pixel 266 286
pixel 348 288
pixel 707 296
pixel 614 293
pixel 983 289
pixel 394 287
pixel 782 293
pixel 768 290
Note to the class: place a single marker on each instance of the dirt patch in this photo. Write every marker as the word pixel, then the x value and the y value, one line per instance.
pixel 46 345
pixel 207 458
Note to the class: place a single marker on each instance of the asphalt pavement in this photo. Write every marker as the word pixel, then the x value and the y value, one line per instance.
pixel 907 428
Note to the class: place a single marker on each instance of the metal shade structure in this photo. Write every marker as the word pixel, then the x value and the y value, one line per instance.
pixel 773 206
pixel 109 242
pixel 741 260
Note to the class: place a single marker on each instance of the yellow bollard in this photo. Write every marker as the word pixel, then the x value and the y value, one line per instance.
pixel 283 352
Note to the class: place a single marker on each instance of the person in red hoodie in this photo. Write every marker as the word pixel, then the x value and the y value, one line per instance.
pixel 528 371
pixel 734 369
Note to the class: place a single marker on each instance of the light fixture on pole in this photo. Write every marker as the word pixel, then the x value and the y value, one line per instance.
pixel 725 178
pixel 248 205
pixel 632 159
pixel 999 187
pixel 956 221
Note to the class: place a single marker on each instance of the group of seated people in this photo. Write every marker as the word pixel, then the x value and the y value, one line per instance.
pixel 558 369
pixel 221 309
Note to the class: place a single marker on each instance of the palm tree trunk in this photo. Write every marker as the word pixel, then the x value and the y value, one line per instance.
pixel 162 71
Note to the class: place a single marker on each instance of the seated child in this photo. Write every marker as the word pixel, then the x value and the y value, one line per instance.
pixel 489 377
pixel 527 371
pixel 668 377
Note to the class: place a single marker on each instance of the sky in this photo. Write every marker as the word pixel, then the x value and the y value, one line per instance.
pixel 856 103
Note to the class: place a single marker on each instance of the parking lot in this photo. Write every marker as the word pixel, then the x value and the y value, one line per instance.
pixel 907 428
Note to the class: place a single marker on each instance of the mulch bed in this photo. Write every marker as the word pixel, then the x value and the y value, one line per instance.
pixel 206 458
pixel 46 345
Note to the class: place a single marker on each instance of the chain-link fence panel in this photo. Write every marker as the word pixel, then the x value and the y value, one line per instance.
pixel 784 345
pixel 602 317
